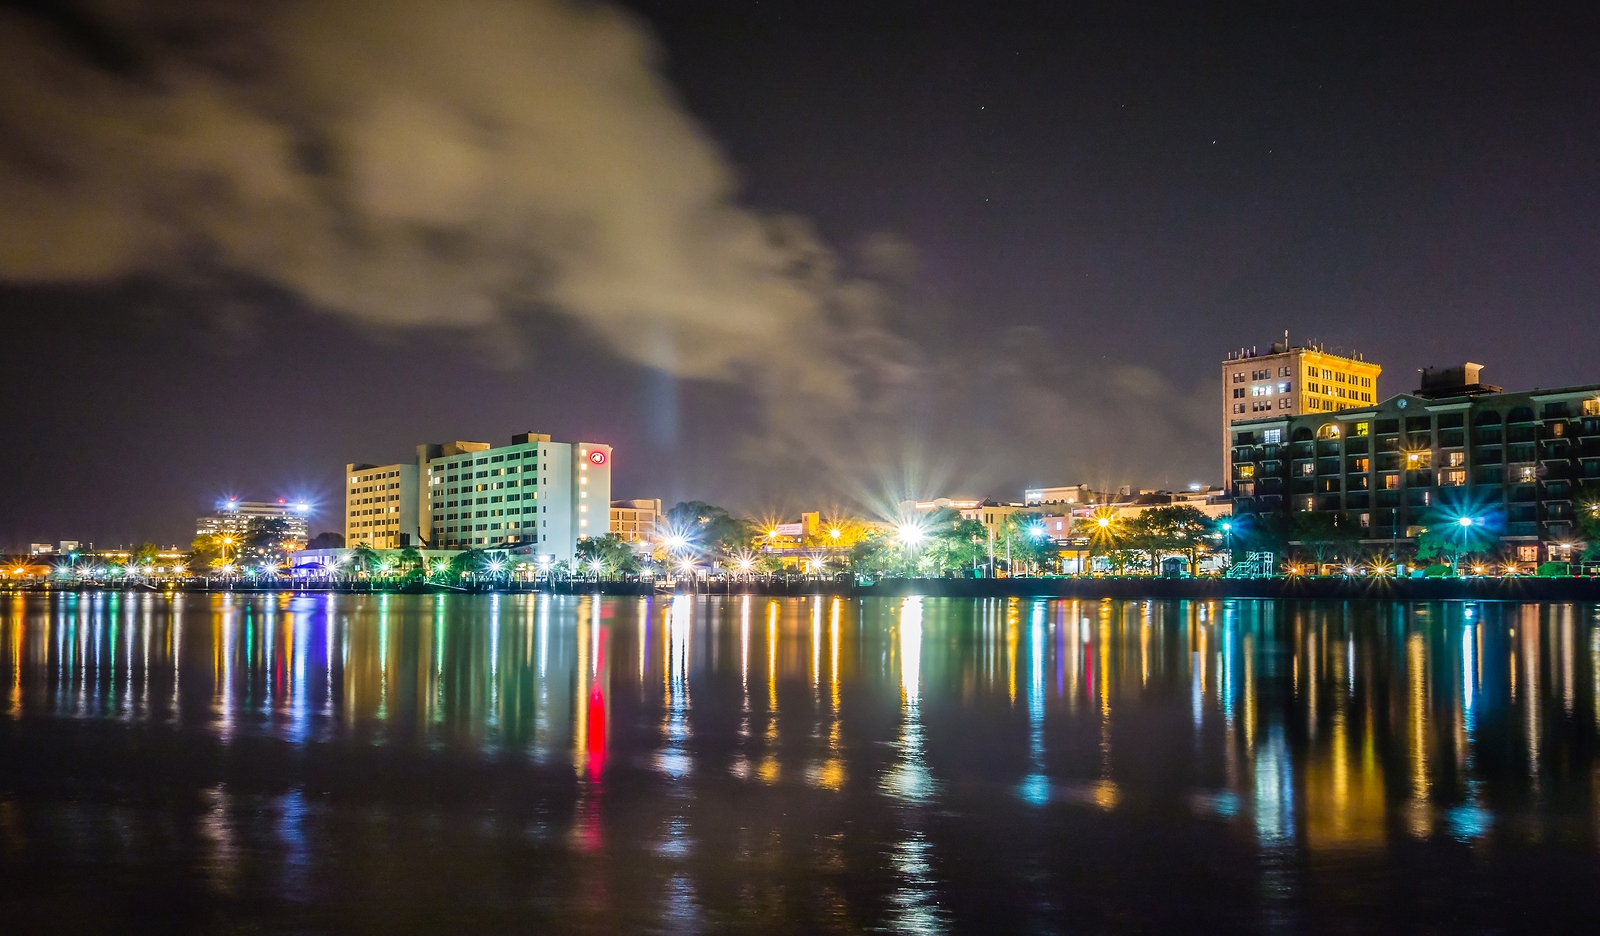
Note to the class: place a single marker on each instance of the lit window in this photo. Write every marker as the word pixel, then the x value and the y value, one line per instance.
pixel 1359 429
pixel 1453 477
pixel 1247 471
pixel 1457 459
pixel 1284 387
pixel 1308 468
pixel 1272 436
pixel 1419 459
pixel 1391 482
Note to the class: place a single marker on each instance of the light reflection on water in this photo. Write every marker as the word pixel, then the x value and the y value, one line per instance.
pixel 920 765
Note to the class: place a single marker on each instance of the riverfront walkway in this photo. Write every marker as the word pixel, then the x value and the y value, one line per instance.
pixel 1310 589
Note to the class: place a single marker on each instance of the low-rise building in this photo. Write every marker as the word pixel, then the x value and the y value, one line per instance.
pixel 1064 496
pixel 635 521
pixel 1521 462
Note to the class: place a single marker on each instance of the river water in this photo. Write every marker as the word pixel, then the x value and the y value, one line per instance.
pixel 394 764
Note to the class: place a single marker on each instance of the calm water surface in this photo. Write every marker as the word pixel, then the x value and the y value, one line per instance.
pixel 418 763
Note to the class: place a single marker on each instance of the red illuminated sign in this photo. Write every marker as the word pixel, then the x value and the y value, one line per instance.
pixel 597 457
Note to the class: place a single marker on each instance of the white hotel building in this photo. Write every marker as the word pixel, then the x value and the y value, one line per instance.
pixel 534 495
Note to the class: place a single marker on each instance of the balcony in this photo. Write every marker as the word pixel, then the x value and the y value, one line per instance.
pixel 1556 511
pixel 1555 470
pixel 1522 473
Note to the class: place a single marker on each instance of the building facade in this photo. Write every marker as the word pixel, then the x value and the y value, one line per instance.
pixel 239 518
pixel 534 495
pixel 1067 495
pixel 635 521
pixel 1291 381
pixel 381 506
pixel 1521 463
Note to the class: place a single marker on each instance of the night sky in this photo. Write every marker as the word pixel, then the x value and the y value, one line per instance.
pixel 781 255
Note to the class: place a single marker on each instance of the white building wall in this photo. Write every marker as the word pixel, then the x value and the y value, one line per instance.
pixel 591 498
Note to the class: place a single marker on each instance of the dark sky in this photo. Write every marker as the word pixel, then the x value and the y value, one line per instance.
pixel 1066 215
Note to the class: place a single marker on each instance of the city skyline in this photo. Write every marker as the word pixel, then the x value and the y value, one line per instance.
pixel 1055 223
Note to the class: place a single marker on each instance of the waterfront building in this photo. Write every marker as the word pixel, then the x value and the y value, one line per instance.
pixel 1520 463
pixel 1291 381
pixel 239 518
pixel 1066 495
pixel 635 521
pixel 990 513
pixel 534 496
pixel 381 506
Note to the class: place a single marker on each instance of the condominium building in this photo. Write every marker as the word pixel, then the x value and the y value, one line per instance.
pixel 236 517
pixel 381 506
pixel 635 521
pixel 534 495
pixel 1291 381
pixel 1519 462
